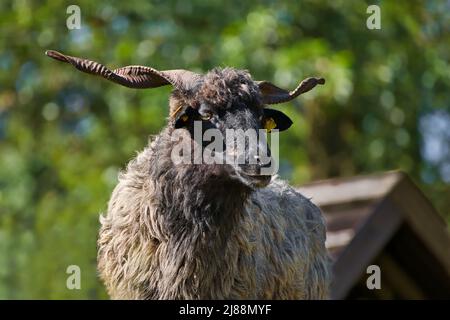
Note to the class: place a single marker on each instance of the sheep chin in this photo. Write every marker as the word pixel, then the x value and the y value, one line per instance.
pixel 254 181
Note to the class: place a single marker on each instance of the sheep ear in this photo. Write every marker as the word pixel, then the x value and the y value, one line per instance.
pixel 184 117
pixel 274 119
pixel 272 94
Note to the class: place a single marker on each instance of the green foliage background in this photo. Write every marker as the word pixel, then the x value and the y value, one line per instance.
pixel 64 135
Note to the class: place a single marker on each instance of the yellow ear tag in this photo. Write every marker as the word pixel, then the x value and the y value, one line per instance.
pixel 184 118
pixel 269 124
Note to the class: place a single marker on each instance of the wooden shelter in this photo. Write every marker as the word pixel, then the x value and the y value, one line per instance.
pixel 383 220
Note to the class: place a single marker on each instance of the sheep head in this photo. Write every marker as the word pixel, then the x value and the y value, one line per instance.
pixel 222 99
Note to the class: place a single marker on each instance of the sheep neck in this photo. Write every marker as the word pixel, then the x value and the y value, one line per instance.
pixel 199 208
pixel 201 205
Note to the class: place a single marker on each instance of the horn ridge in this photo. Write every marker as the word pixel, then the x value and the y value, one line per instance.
pixel 273 95
pixel 139 77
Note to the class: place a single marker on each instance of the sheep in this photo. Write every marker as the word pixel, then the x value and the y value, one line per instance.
pixel 208 231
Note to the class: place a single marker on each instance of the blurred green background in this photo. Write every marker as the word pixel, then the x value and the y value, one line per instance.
pixel 65 135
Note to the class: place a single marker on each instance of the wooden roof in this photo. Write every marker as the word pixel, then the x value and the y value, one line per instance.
pixel 365 215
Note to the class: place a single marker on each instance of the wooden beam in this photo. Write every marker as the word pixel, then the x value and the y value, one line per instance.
pixel 424 220
pixel 339 238
pixel 346 190
pixel 368 242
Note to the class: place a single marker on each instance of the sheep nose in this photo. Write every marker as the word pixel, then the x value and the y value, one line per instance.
pixel 262 162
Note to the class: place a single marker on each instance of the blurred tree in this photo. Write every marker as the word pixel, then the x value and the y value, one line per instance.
pixel 64 135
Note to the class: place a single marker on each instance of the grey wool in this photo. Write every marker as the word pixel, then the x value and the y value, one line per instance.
pixel 195 232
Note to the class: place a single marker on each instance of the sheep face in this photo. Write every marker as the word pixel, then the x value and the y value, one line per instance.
pixel 223 99
pixel 230 102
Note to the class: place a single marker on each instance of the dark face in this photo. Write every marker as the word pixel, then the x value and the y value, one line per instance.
pixel 229 103
pixel 223 99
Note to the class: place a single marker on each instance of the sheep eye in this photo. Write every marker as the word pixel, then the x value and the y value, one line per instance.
pixel 206 117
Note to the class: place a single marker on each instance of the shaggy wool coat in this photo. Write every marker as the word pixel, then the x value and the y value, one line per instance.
pixel 190 233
